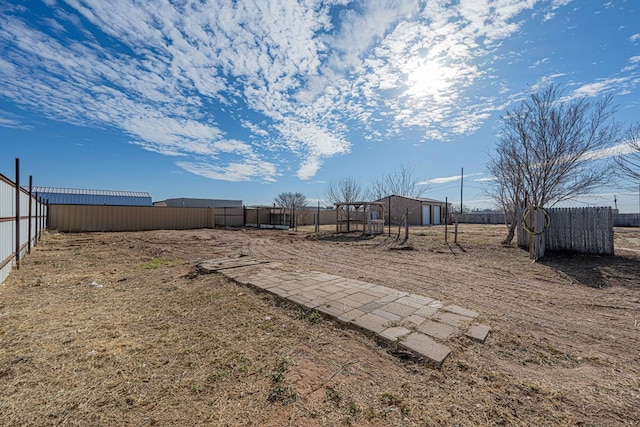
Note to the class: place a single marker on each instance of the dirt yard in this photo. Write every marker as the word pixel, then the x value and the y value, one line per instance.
pixel 122 329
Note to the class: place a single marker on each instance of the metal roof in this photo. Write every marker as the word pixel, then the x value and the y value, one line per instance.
pixel 200 203
pixel 79 191
pixel 418 199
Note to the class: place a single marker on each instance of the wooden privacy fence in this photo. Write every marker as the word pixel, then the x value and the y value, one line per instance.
pixel 580 230
pixel 22 218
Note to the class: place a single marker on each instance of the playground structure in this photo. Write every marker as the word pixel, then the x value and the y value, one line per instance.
pixel 367 217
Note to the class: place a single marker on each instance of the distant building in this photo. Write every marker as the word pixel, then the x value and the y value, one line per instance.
pixel 75 196
pixel 422 211
pixel 199 203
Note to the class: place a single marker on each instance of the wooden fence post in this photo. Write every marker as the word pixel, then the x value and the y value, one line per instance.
pixel 406 225
pixel 536 232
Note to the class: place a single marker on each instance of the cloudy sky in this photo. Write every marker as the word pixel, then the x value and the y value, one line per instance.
pixel 249 98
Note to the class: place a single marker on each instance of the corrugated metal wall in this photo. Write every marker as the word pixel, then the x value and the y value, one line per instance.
pixel 626 220
pixel 480 218
pixel 31 223
pixel 7 227
pixel 80 218
pixel 399 206
pixel 327 216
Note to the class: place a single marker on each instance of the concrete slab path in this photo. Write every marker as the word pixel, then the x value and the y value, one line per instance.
pixel 419 324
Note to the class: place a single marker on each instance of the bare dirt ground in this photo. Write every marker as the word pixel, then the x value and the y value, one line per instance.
pixel 122 329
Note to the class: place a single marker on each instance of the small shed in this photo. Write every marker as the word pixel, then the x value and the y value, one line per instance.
pixel 76 196
pixel 422 211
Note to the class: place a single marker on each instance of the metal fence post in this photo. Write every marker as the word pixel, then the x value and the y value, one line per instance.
pixel 29 226
pixel 17 213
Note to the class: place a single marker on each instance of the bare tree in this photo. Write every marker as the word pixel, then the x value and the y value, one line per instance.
pixel 629 161
pixel 345 190
pixel 546 152
pixel 402 181
pixel 292 202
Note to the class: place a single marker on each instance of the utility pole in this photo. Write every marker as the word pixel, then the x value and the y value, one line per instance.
pixel 446 217
pixel 461 187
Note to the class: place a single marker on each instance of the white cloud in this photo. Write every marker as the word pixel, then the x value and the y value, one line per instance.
pixel 555 4
pixel 295 76
pixel 545 81
pixel 485 179
pixel 608 152
pixel 12 123
pixel 635 37
pixel 539 62
pixel 315 141
pixel 246 170
pixel 600 87
pixel 447 179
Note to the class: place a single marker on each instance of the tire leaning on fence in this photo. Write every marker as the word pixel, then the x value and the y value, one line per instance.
pixel 547 221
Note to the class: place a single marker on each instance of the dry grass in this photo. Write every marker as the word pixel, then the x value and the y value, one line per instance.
pixel 120 329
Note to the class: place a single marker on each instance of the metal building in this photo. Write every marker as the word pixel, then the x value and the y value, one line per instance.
pixel 422 211
pixel 74 196
pixel 199 203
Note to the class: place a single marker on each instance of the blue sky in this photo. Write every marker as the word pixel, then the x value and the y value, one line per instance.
pixel 247 99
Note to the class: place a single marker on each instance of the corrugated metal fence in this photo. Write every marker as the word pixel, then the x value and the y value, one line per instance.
pixel 22 218
pixel 81 218
pixel 626 220
pixel 479 218
pixel 581 230
pixel 256 217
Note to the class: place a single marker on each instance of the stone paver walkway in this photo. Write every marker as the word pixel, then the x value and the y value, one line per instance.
pixel 417 323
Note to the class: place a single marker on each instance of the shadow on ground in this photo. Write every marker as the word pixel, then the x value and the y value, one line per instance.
pixel 596 271
pixel 354 236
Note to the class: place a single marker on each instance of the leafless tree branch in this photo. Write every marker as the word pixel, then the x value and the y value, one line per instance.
pixel 542 156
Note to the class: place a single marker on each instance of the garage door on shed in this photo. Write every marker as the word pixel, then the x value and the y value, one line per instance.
pixel 426 214
pixel 436 215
